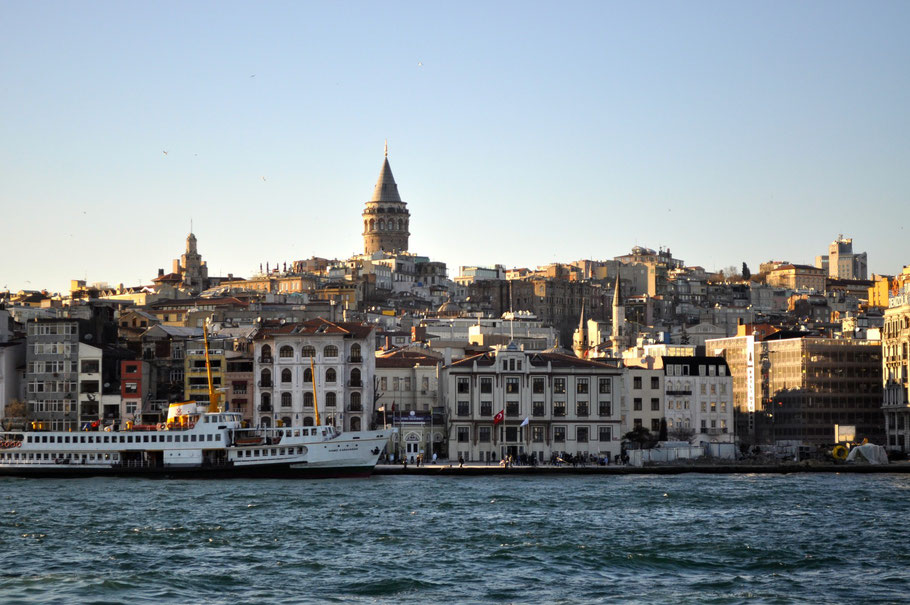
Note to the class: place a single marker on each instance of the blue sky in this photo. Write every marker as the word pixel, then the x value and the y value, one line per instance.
pixel 520 133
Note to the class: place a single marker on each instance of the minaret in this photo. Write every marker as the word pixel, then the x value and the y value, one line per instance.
pixel 385 218
pixel 580 338
pixel 619 322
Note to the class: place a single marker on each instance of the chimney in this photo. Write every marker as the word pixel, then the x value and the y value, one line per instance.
pixel 160 272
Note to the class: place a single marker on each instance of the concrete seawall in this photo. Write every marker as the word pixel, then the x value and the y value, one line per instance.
pixel 715 469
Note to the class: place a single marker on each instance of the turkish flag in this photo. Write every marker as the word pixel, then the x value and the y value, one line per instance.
pixel 498 418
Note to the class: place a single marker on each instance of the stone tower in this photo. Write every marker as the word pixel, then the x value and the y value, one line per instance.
pixel 191 268
pixel 386 217
pixel 618 338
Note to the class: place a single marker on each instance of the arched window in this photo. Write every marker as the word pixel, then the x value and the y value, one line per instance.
pixel 355 352
pixel 265 421
pixel 307 400
pixel 285 400
pixel 400 224
pixel 265 378
pixel 372 225
pixel 308 351
pixel 355 377
pixel 355 402
pixel 355 423
pixel 266 352
pixel 266 401
pixel 308 421
pixel 330 375
pixel 382 224
pixel 285 375
pixel 330 400
pixel 286 351
pixel 286 420
pixel 308 375
pixel 330 351
pixel 364 225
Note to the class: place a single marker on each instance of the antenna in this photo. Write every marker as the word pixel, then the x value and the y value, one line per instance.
pixel 511 315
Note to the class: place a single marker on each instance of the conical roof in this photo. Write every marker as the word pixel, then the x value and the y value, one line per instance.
pixel 386 189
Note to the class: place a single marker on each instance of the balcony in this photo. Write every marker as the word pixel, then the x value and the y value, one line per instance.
pixel 265 407
pixel 716 431
pixel 355 407
pixel 266 360
pixel 355 359
pixel 355 383
pixel 679 393
pixel 266 384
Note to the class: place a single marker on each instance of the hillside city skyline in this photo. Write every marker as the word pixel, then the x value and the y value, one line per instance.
pixel 521 134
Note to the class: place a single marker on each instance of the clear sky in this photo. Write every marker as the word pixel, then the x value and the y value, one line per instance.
pixel 519 132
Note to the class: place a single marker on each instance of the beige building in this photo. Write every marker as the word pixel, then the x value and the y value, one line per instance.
pixel 798 277
pixel 407 398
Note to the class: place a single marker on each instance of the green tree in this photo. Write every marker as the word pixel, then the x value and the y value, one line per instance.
pixel 746 273
pixel 641 437
pixel 662 435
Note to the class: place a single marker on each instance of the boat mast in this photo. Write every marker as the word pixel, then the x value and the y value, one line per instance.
pixel 315 398
pixel 213 396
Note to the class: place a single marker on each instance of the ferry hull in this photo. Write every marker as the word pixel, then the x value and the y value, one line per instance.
pixel 265 471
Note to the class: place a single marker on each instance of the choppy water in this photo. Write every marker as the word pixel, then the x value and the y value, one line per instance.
pixel 693 538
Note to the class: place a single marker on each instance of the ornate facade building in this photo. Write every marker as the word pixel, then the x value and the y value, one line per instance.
pixel 342 357
pixel 896 371
pixel 385 218
pixel 552 404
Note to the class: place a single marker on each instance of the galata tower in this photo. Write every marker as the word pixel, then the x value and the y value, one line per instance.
pixel 386 217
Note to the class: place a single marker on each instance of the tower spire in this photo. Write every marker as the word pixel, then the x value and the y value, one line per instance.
pixel 386 148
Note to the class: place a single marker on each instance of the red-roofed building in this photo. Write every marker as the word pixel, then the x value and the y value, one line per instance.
pixel 342 357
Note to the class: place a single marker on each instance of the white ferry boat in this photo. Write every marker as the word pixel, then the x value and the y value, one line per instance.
pixel 209 444
pixel 194 442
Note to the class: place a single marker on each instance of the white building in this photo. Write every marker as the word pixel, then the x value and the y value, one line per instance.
pixel 698 392
pixel 552 404
pixel 341 355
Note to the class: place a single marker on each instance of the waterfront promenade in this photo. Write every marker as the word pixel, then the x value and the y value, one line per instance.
pixel 481 469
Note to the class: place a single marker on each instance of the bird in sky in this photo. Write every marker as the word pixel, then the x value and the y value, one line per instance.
pixel 420 64
pixel 164 152
pixel 263 178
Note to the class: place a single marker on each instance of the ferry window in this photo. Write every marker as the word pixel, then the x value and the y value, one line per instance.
pixel 122 439
pixel 170 438
pixel 66 440
pixel 299 450
pixel 145 438
pixel 255 452
pixel 193 438
pixel 43 439
pixel 129 439
pixel 281 452
pixel 154 438
pixel 274 451
pixel 297 433
pixel 82 439
pixel 187 438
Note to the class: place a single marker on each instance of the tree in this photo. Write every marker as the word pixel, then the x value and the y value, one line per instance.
pixel 746 273
pixel 15 410
pixel 681 433
pixel 640 436
pixel 662 435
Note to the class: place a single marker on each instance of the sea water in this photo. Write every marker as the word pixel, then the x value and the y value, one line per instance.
pixel 819 538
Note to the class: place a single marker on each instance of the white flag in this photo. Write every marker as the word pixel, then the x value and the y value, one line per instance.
pixel 525 422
